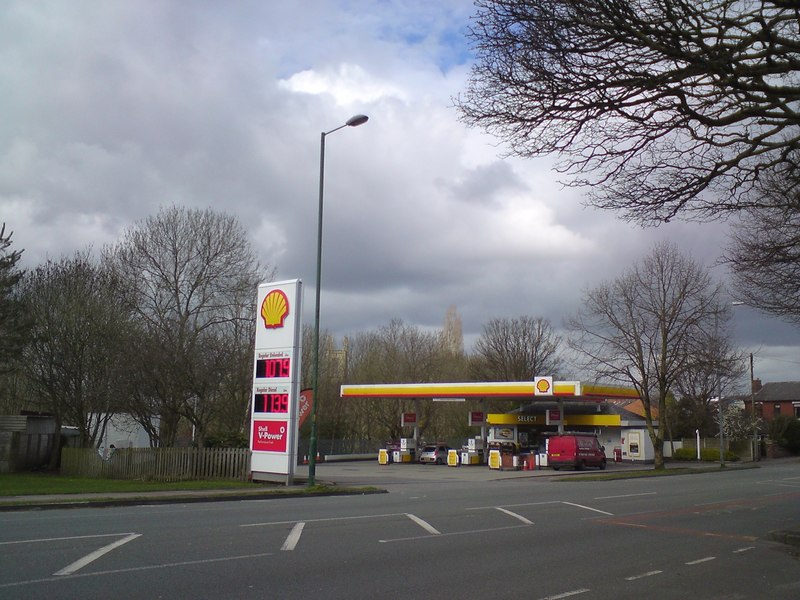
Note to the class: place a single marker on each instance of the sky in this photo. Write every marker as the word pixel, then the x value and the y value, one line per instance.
pixel 113 109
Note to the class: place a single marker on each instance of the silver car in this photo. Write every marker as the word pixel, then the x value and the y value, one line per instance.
pixel 434 454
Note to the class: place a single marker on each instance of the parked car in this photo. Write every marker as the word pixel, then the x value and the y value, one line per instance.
pixel 576 451
pixel 436 454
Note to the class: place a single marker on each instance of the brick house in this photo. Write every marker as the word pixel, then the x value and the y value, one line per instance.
pixel 779 398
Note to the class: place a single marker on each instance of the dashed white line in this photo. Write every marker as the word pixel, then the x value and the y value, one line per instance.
pixel 745 549
pixel 515 515
pixel 643 575
pixel 93 556
pixel 293 537
pixel 701 560
pixel 424 524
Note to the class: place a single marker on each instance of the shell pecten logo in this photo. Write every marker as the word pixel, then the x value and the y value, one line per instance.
pixel 274 309
pixel 543 385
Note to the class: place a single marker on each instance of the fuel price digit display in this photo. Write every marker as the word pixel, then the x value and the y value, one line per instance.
pixel 273 368
pixel 271 403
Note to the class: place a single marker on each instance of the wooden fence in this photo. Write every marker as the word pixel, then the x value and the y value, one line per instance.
pixel 158 464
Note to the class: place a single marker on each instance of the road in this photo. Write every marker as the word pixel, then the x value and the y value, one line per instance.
pixel 688 536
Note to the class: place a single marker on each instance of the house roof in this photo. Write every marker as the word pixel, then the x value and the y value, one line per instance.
pixel 633 406
pixel 780 391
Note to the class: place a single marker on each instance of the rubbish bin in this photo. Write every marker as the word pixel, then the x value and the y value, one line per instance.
pixel 617 454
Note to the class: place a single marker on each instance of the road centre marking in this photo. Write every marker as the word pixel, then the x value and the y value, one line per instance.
pixel 424 524
pixel 93 556
pixel 781 483
pixel 701 560
pixel 293 537
pixel 602 512
pixel 135 569
pixel 643 575
pixel 59 539
pixel 567 594
pixel 676 530
pixel 443 535
pixel 515 515
pixel 514 505
pixel 326 519
pixel 625 496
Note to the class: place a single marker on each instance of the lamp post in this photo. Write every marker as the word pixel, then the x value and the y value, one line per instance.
pixel 754 446
pixel 719 391
pixel 756 449
pixel 354 121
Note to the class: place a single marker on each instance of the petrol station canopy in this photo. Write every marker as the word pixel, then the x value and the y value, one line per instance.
pixel 540 388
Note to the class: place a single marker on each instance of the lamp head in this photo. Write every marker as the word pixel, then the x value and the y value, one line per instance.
pixel 357 120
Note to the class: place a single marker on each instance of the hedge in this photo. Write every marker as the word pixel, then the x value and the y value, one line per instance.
pixel 706 454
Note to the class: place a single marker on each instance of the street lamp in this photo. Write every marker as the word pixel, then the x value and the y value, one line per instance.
pixel 354 121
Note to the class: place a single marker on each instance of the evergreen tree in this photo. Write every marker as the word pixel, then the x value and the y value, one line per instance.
pixel 14 324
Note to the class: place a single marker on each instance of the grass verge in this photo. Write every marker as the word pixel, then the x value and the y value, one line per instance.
pixel 34 484
pixel 49 490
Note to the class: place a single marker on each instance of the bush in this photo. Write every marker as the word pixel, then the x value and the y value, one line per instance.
pixel 685 454
pixel 777 428
pixel 228 439
pixel 712 455
pixel 792 436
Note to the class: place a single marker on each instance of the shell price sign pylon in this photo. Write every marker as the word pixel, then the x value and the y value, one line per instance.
pixel 276 380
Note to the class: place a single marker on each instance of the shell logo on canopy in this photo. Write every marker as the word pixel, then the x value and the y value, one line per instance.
pixel 543 386
pixel 274 309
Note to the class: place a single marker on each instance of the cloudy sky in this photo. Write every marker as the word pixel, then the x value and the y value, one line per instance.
pixel 111 109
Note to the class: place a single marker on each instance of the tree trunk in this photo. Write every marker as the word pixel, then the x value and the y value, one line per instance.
pixel 55 451
pixel 658 447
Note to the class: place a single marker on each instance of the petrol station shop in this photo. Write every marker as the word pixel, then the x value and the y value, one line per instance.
pixel 518 439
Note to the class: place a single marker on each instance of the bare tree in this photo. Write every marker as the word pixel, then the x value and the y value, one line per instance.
pixel 516 350
pixel 645 327
pixel 715 369
pixel 667 107
pixel 765 252
pixel 402 353
pixel 75 360
pixel 190 280
pixel 235 391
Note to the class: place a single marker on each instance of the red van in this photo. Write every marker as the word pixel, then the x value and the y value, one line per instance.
pixel 576 451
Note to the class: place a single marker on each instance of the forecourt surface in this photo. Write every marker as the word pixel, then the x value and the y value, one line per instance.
pixel 698 536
